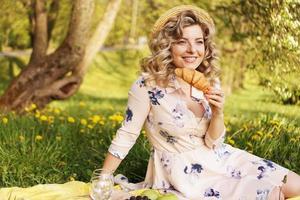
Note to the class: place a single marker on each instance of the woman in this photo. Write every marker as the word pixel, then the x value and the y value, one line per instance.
pixel 185 126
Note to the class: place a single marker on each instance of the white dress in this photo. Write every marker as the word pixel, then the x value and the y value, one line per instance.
pixel 181 161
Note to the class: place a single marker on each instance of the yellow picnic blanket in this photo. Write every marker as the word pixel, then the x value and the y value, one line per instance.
pixel 74 190
pixel 70 190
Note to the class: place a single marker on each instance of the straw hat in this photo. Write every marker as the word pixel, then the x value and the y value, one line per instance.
pixel 200 13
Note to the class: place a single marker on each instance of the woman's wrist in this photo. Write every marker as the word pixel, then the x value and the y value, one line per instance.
pixel 219 114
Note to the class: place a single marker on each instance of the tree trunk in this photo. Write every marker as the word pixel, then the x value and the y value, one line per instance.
pixel 99 36
pixel 50 76
pixel 59 75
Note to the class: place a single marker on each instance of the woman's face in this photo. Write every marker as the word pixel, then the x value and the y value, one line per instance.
pixel 189 50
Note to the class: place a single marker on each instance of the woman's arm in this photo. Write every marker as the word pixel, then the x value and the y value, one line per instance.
pixel 111 163
pixel 216 129
pixel 138 107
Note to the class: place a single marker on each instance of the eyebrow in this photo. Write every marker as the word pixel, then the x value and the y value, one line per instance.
pixel 195 38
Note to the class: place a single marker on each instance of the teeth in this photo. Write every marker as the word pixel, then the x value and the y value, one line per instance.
pixel 189 59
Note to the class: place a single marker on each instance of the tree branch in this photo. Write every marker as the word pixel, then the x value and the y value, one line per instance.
pixel 79 25
pixel 99 36
pixel 40 42
pixel 52 16
pixel 61 89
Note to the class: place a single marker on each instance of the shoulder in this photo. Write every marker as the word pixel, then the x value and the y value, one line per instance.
pixel 139 85
pixel 140 81
pixel 145 79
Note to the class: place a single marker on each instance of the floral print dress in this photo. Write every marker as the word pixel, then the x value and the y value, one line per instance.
pixel 184 160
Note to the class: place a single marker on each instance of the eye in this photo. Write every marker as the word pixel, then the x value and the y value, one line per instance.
pixel 200 42
pixel 180 42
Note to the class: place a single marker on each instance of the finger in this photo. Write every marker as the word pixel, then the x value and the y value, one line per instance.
pixel 215 103
pixel 217 92
pixel 215 97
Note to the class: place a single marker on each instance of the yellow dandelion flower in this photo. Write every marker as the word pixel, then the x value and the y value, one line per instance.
pixel 83 122
pixel 231 141
pixel 143 132
pixel 37 114
pixel 33 106
pixel 111 117
pixel 43 118
pixel 95 118
pixel 21 138
pixel 51 119
pixel 269 135
pixel 101 122
pixel 56 111
pixel 38 138
pixel 90 126
pixel 293 140
pixel 82 104
pixel 228 128
pixel 120 118
pixel 249 145
pixel 255 137
pixel 116 117
pixel 275 122
pixel 260 133
pixel 71 120
pixel 4 120
pixel 58 138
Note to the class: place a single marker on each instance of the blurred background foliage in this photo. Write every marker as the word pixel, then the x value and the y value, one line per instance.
pixel 260 36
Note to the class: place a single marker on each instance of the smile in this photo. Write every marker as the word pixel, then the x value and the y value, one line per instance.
pixel 189 59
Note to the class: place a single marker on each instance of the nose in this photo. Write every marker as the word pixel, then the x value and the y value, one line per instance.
pixel 191 47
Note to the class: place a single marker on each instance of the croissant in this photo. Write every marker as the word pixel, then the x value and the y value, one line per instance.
pixel 193 77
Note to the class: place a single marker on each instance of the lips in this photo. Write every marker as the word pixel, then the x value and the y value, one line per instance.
pixel 189 59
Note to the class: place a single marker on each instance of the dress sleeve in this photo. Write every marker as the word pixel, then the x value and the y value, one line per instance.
pixel 213 143
pixel 138 107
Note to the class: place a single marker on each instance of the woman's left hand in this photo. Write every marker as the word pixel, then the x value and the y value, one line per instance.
pixel 216 99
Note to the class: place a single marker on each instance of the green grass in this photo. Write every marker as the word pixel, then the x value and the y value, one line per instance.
pixel 253 101
pixel 256 123
pixel 110 75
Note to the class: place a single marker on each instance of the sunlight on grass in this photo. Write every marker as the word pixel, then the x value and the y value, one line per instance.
pixel 111 75
pixel 254 100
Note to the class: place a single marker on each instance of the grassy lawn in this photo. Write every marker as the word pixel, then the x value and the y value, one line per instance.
pixel 253 101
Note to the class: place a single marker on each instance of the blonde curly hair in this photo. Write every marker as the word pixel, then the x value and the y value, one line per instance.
pixel 159 65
